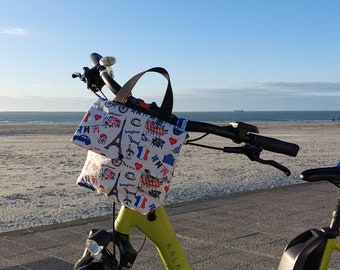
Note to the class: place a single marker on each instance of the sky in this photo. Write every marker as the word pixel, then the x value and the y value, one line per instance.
pixel 222 55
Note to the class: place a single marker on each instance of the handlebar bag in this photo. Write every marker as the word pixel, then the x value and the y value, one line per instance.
pixel 132 154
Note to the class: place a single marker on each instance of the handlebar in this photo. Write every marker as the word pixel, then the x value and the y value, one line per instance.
pixel 97 76
pixel 104 74
pixel 238 132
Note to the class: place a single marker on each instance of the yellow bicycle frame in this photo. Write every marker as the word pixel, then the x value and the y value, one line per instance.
pixel 159 231
pixel 331 245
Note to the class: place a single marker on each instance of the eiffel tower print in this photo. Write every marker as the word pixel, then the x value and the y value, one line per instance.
pixel 117 142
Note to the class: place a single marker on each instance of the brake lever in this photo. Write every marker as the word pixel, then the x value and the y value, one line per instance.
pixel 86 77
pixel 253 153
pixel 92 79
pixel 276 165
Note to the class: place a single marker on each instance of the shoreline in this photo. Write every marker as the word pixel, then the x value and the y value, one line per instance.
pixel 40 166
pixel 65 128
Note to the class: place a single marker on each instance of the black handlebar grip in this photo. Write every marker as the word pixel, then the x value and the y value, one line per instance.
pixel 107 79
pixel 274 145
pixel 94 59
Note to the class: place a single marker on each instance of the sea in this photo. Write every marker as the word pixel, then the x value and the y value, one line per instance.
pixel 72 118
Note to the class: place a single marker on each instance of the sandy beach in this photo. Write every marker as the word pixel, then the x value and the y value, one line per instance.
pixel 39 167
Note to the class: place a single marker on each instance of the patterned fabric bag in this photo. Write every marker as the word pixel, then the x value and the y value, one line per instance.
pixel 132 154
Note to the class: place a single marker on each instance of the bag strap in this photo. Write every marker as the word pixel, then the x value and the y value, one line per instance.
pixel 166 107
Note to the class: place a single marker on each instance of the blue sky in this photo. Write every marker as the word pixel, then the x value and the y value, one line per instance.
pixel 221 55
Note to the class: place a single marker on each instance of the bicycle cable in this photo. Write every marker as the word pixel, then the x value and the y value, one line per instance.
pixel 140 249
pixel 99 95
pixel 199 138
pixel 205 146
pixel 191 142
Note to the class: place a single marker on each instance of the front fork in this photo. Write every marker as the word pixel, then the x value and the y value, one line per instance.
pixel 157 227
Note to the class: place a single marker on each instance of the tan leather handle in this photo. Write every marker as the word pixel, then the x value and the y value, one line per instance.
pixel 166 107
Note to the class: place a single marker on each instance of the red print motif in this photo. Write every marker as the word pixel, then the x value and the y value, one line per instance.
pixel 97 117
pixel 86 118
pixel 172 140
pixel 138 166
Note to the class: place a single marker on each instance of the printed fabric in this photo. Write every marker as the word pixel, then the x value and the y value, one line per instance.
pixel 131 155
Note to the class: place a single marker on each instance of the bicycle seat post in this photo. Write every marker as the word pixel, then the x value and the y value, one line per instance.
pixel 333 229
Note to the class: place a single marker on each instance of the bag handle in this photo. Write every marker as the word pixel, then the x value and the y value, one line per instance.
pixel 166 107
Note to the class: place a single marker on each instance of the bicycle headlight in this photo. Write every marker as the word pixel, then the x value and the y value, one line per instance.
pixel 95 249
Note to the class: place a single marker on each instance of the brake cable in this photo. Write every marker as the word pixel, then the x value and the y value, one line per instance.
pixel 191 142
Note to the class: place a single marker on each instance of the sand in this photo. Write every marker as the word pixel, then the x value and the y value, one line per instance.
pixel 39 167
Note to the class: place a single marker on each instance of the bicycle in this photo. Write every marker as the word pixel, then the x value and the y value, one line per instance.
pixel 313 249
pixel 156 225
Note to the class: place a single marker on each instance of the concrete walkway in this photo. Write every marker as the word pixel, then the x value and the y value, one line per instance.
pixel 243 231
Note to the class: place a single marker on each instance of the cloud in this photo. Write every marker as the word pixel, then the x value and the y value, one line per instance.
pixel 299 87
pixel 41 85
pixel 272 88
pixel 15 31
pixel 269 95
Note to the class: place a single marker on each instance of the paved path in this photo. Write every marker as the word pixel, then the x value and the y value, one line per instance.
pixel 243 231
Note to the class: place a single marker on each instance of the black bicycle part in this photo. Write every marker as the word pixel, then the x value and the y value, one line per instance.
pixel 87 263
pixel 95 58
pixel 330 174
pixel 253 153
pixel 104 74
pixel 305 251
pixel 97 76
pixel 266 143
pixel 127 253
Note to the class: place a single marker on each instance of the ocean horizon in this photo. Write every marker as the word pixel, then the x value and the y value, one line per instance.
pixel 72 118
